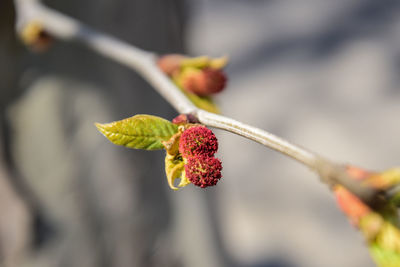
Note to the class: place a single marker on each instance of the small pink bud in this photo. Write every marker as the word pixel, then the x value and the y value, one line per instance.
pixel 198 140
pixel 170 64
pixel 203 171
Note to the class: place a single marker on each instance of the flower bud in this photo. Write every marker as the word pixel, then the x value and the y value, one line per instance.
pixel 196 141
pixel 202 76
pixel 203 171
pixel 170 64
pixel 35 37
pixel 350 204
pixel 203 82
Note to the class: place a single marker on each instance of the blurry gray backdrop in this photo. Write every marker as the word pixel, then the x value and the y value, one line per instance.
pixel 323 74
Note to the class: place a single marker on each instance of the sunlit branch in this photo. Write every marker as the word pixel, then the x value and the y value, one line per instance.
pixel 66 28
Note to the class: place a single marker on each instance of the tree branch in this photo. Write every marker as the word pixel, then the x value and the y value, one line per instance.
pixel 263 137
pixel 143 62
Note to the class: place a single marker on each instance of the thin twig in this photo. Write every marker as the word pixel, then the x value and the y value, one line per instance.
pixel 143 62
pixel 263 137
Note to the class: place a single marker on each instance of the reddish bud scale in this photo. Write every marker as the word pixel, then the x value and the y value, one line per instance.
pixel 170 64
pixel 216 80
pixel 203 171
pixel 357 173
pixel 196 141
pixel 351 205
pixel 205 82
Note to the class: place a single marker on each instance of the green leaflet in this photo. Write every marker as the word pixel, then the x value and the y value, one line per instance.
pixel 396 200
pixel 383 236
pixel 140 132
pixel 175 169
pixel 196 62
pixel 204 62
pixel 203 102
pixel 174 163
pixel 384 257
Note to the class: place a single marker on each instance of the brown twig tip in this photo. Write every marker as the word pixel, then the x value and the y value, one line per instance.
pixel 36 37
pixel 375 189
pixel 336 174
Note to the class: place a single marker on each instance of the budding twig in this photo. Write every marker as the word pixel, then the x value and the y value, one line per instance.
pixel 66 28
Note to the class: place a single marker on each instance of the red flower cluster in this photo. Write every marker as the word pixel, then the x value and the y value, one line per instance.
pixel 203 171
pixel 198 140
pixel 198 145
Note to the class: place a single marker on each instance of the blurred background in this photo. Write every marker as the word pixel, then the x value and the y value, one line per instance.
pixel 323 74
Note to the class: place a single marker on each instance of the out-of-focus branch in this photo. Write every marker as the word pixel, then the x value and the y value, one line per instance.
pixel 66 28
pixel 143 62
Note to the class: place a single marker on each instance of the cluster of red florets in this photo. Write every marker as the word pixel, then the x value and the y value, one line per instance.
pixel 203 171
pixel 198 140
pixel 198 145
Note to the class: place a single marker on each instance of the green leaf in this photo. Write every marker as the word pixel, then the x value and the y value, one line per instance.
pixel 195 62
pixel 383 237
pixel 140 132
pixel 384 257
